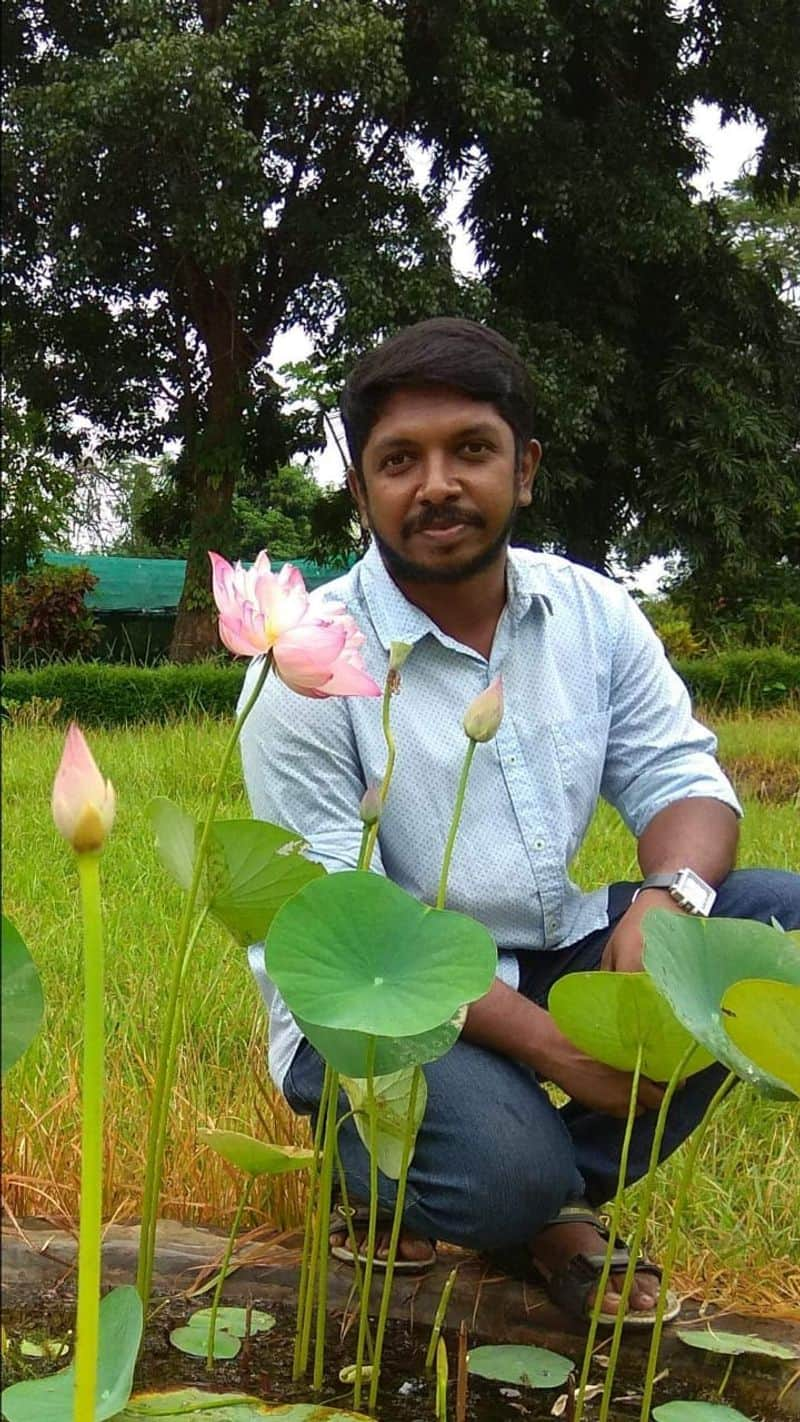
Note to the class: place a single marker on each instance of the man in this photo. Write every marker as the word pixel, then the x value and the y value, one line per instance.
pixel 439 422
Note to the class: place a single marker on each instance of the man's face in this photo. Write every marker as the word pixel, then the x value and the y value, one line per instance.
pixel 441 487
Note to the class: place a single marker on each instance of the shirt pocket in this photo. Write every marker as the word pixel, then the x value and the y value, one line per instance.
pixel 581 743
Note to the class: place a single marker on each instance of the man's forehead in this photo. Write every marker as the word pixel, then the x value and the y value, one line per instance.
pixel 419 411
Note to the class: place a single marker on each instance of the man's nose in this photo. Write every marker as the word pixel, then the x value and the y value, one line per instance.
pixel 440 480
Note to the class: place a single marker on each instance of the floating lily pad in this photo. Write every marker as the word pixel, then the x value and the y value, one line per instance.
pixel 193 1340
pixel 694 961
pixel 235 1321
pixel 51 1399
pixel 697 1412
pixel 610 1015
pixel 251 867
pixel 348 1052
pixel 521 1365
pixel 355 951
pixel 392 1097
pixel 227 1407
pixel 733 1344
pixel 256 1157
pixel 763 1020
pixel 22 997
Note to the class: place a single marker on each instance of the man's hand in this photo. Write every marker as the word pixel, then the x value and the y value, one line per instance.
pixel 623 951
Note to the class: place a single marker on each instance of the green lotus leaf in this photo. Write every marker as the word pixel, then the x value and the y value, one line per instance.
pixel 610 1015
pixel 762 1019
pixel 203 1406
pixel 697 1412
pixel 22 1001
pixel 235 1321
pixel 252 869
pixel 355 951
pixel 193 1339
pixel 709 1340
pixel 175 839
pixel 51 1399
pixel 694 961
pixel 348 1052
pixel 520 1364
pixel 256 1157
pixel 392 1097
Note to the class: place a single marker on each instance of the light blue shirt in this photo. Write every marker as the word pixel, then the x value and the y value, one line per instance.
pixel 592 708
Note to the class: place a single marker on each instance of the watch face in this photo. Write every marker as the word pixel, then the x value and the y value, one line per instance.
pixel 693 893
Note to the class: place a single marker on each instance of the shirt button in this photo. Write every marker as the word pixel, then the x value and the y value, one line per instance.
pixel 538 844
pixel 512 760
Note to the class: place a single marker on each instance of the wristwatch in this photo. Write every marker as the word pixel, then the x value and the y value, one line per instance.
pixel 687 889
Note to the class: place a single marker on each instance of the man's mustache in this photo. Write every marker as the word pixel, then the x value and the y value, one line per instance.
pixel 441 518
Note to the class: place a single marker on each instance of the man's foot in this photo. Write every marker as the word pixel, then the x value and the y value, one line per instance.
pixel 413 1253
pixel 556 1245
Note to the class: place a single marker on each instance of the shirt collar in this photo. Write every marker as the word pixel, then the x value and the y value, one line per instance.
pixel 395 619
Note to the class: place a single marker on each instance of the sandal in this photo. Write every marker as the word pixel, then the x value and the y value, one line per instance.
pixel 359 1219
pixel 569 1287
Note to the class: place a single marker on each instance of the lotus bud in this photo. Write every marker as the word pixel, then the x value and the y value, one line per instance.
pixel 484 714
pixel 370 807
pixel 83 802
pixel 398 654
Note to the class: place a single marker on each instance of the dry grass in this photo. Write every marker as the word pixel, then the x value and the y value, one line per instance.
pixel 740 1232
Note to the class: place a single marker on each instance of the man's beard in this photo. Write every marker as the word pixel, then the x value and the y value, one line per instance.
pixel 406 570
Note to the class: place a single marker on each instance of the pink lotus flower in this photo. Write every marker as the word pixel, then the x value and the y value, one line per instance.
pixel 483 715
pixel 83 802
pixel 315 651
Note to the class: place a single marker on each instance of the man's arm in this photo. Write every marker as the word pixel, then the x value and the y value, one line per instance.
pixel 700 834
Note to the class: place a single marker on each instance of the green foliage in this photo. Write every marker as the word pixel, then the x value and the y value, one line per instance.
pixel 44 615
pixel 612 1015
pixel 520 1363
pixel 203 1406
pixel 22 999
pixel 38 491
pixel 736 608
pixel 121 1322
pixel 763 1019
pixel 98 695
pixel 746 679
pixel 256 1157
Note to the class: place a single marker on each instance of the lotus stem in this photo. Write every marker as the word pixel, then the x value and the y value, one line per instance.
pixel 305 1292
pixel 451 838
pixel 672 1242
pixel 323 1212
pixel 439 1318
pixel 87 1332
pixel 223 1273
pixel 442 1378
pixel 370 839
pixel 156 1136
pixel 351 1234
pixel 635 1245
pixel 372 1117
pixel 616 1210
pixel 726 1375
pixel 394 1238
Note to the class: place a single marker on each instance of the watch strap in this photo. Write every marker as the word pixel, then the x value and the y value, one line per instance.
pixel 657 881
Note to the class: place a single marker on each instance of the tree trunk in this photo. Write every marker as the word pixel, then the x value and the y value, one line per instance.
pixel 195 633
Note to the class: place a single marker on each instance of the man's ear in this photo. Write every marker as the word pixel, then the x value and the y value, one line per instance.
pixel 357 494
pixel 527 472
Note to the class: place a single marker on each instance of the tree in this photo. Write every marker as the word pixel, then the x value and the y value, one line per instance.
pixel 183 180
pixel 38 490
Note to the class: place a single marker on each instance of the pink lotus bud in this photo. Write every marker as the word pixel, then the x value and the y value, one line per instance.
pixel 370 807
pixel 398 653
pixel 484 714
pixel 83 802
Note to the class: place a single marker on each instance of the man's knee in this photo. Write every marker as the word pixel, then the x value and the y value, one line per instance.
pixel 761 894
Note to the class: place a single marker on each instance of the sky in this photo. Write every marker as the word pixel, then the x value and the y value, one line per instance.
pixel 729 149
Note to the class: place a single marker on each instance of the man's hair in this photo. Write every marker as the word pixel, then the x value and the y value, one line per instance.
pixel 445 351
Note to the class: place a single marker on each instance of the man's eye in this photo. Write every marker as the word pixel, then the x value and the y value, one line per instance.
pixel 395 460
pixel 475 447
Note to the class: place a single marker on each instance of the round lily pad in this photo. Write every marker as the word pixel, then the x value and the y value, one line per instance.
pixel 681 1411
pixel 734 1344
pixel 348 1052
pixel 521 1365
pixel 694 961
pixel 610 1015
pixel 193 1340
pixel 201 1406
pixel 256 1157
pixel 355 951
pixel 762 1019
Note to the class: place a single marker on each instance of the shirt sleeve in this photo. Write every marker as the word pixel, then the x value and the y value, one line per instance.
pixel 657 752
pixel 302 771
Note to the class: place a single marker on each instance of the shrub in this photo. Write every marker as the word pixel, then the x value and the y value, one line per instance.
pixel 44 615
pixel 99 695
pixel 751 679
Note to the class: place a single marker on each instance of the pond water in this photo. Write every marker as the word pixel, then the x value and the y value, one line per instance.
pixel 264 1368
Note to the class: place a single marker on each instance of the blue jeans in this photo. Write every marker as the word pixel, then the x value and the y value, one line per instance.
pixel 495 1159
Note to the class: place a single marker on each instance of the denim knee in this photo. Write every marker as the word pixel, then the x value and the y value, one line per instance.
pixel 761 894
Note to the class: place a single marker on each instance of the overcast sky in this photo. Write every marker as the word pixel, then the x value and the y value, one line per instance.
pixel 729 149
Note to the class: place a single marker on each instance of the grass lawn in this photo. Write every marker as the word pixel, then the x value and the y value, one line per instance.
pixel 740 1232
